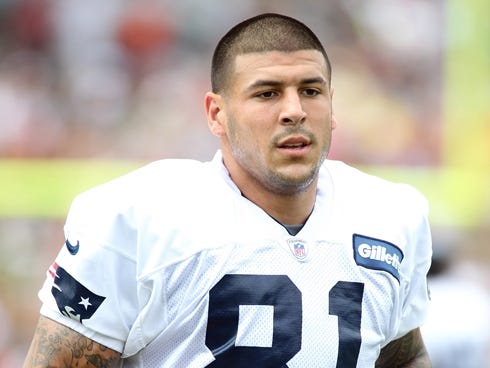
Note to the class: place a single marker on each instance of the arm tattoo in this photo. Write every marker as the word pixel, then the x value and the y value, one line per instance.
pixel 406 352
pixel 57 345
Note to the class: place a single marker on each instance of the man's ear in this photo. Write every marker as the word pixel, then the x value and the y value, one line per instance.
pixel 213 104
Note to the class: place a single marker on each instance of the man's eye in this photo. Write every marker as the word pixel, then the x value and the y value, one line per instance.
pixel 267 94
pixel 311 92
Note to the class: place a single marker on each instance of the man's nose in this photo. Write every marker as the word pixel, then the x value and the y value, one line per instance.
pixel 292 109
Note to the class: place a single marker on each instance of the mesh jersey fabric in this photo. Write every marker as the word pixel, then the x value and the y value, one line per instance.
pixel 192 274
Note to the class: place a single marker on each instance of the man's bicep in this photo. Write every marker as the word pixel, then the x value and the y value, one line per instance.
pixel 405 352
pixel 55 345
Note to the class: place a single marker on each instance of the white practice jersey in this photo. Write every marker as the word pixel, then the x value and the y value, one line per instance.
pixel 173 267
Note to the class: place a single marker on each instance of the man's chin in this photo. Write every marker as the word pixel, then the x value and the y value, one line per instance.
pixel 294 179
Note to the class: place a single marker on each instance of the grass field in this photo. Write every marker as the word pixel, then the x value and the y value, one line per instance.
pixel 45 188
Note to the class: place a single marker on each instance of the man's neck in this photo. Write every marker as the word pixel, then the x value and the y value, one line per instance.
pixel 286 209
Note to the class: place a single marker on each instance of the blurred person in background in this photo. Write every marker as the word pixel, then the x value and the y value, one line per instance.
pixel 269 254
pixel 457 330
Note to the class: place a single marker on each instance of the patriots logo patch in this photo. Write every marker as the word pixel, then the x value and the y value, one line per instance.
pixel 73 299
pixel 377 254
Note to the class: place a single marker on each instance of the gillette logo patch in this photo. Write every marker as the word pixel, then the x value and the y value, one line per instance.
pixel 377 254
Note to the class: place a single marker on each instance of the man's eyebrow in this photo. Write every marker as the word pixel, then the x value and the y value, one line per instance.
pixel 314 80
pixel 274 83
pixel 264 83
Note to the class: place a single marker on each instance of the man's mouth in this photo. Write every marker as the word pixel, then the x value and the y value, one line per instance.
pixel 294 143
pixel 296 147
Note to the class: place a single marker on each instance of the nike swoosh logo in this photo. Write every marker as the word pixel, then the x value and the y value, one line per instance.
pixel 73 249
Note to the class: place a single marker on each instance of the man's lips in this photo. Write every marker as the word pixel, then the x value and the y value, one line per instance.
pixel 293 142
pixel 294 147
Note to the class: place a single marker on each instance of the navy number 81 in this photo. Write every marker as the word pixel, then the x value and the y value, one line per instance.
pixel 345 301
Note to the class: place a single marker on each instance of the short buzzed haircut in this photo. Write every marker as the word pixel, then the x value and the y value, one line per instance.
pixel 262 33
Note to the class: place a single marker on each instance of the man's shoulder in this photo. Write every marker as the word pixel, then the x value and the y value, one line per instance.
pixel 159 190
pixel 155 176
pixel 164 181
pixel 167 171
pixel 357 184
pixel 340 171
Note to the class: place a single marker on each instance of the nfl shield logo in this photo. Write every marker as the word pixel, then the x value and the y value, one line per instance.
pixel 298 248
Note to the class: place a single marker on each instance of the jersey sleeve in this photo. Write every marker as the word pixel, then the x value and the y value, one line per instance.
pixel 91 287
pixel 418 254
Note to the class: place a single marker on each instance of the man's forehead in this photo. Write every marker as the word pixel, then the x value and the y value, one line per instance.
pixel 271 62
pixel 281 57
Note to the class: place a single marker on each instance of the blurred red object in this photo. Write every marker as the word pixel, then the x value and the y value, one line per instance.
pixel 31 23
pixel 143 30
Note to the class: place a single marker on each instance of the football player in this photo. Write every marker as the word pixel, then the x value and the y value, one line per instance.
pixel 269 255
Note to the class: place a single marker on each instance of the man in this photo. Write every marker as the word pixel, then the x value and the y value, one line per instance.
pixel 269 255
